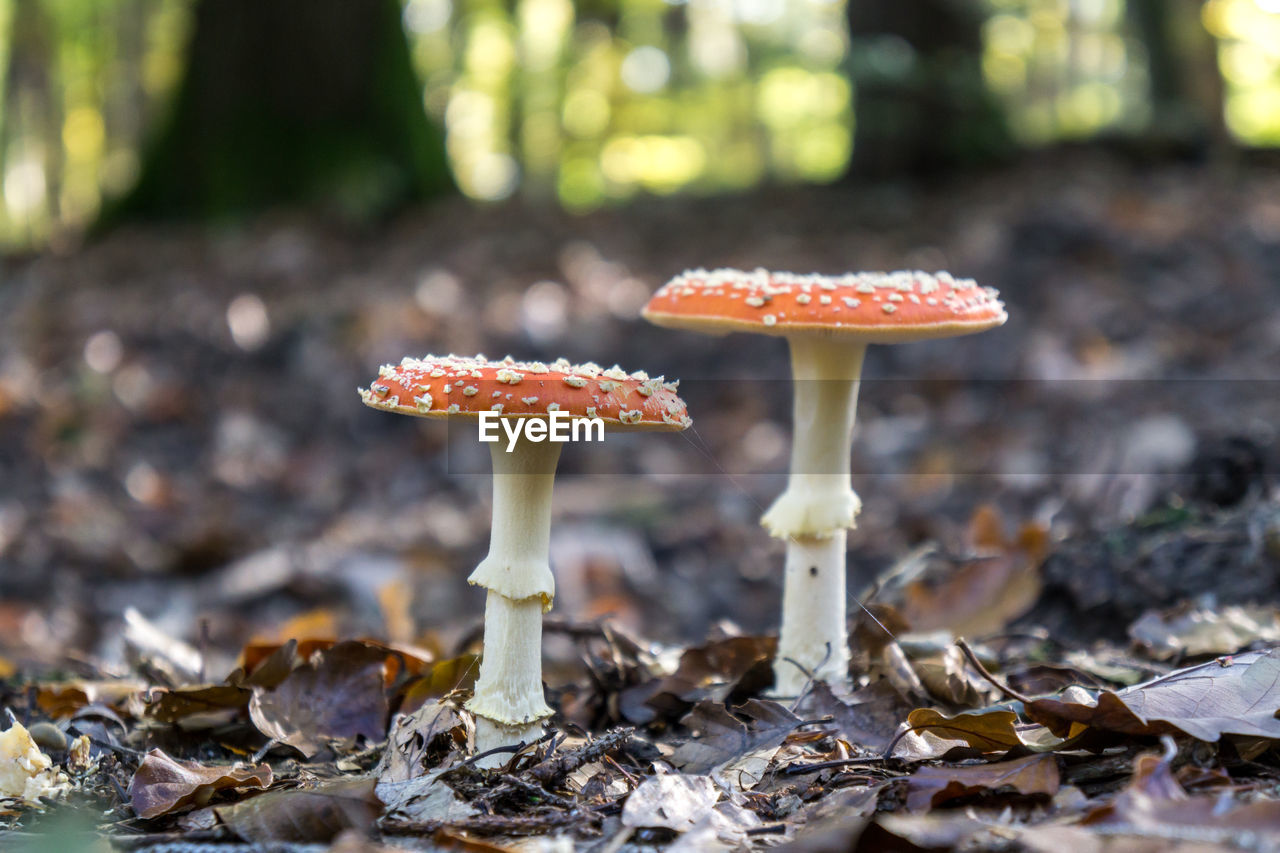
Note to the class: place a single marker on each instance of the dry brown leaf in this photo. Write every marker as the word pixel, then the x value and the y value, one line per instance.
pixel 445 677
pixel 720 738
pixel 316 814
pixel 932 786
pixel 982 595
pixel 171 706
pixel 1154 803
pixel 340 694
pixel 985 731
pixel 1235 695
pixel 163 784
pixel 675 801
pixel 1197 631
pixel 713 671
pixel 867 717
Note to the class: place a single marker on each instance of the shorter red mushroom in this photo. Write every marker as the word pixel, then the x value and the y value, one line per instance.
pixel 527 398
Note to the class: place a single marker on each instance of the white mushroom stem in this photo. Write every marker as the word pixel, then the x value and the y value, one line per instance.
pixel 819 504
pixel 508 702
pixel 814 641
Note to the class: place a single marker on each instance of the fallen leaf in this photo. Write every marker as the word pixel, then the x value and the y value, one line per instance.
pixel 720 738
pixel 1193 632
pixel 60 701
pixel 868 717
pixel 985 731
pixel 676 801
pixel 423 799
pixel 981 595
pixel 444 677
pixel 932 786
pixel 421 740
pixel 338 695
pixel 316 814
pixel 1236 695
pixel 714 671
pixel 163 784
pixel 215 701
pixel 1154 803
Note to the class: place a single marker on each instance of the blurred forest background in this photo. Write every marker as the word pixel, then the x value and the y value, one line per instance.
pixel 179 430
pixel 591 103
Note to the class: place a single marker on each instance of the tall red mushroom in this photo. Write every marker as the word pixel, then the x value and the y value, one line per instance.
pixel 828 321
pixel 528 398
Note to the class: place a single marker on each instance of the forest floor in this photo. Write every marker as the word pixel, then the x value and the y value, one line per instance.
pixel 247 591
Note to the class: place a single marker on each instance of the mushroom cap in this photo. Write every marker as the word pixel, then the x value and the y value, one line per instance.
pixel 452 386
pixel 873 307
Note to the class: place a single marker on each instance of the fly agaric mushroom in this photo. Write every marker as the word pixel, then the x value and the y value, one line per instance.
pixel 508 700
pixel 828 322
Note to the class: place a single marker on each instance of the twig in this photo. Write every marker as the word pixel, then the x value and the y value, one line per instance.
pixel 499 750
pixel 797 768
pixel 537 791
pixel 551 770
pixel 982 670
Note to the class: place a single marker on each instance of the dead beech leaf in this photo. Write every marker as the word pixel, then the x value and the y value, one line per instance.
pixel 420 741
pixel 181 703
pixel 163 784
pixel 984 594
pixel 712 671
pixel 932 786
pixel 1194 631
pixel 720 738
pixel 62 700
pixel 339 694
pixel 676 801
pixel 261 662
pixel 1237 695
pixel 985 731
pixel 444 677
pixel 1154 802
pixel 316 814
pixel 867 717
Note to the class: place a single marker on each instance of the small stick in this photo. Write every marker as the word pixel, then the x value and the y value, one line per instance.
pixel 982 670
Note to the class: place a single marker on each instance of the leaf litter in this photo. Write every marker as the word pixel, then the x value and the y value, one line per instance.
pixel 1129 614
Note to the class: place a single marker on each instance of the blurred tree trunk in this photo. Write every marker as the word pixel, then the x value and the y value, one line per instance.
pixel 292 101
pixel 921 104
pixel 1187 90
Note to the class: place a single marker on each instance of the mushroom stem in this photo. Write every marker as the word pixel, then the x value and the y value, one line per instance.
pixel 814 640
pixel 819 504
pixel 819 499
pixel 508 701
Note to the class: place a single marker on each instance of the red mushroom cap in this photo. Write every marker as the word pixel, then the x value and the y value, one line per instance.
pixel 875 307
pixel 454 386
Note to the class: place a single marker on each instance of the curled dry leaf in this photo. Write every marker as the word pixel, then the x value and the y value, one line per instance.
pixel 982 595
pixel 316 814
pixel 1154 804
pixel 720 738
pixel 673 801
pixel 985 731
pixel 713 671
pixel 163 784
pixel 421 740
pixel 339 694
pixel 213 702
pixel 1196 631
pixel 868 717
pixel 1237 695
pixel 932 786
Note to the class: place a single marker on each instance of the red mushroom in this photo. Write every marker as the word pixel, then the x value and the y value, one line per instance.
pixel 527 399
pixel 828 321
